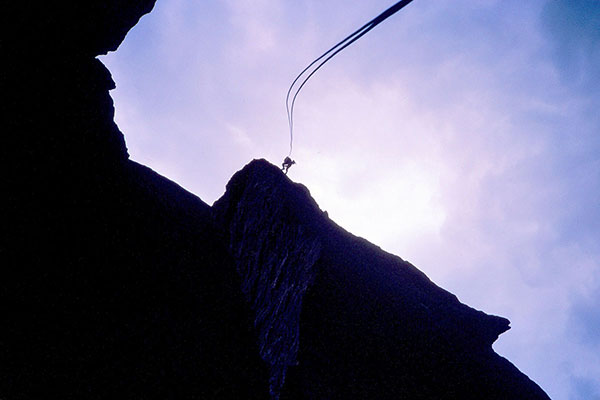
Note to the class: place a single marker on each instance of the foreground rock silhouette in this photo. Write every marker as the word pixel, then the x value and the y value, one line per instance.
pixel 118 283
pixel 337 317
pixel 114 282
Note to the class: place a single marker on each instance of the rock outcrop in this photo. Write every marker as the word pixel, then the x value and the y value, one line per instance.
pixel 351 320
pixel 275 249
pixel 118 283
pixel 115 282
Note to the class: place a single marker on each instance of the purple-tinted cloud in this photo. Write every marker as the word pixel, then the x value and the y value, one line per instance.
pixel 462 136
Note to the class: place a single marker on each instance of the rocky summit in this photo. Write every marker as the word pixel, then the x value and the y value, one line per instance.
pixel 337 317
pixel 118 283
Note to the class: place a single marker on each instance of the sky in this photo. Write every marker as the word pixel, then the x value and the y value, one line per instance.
pixel 460 135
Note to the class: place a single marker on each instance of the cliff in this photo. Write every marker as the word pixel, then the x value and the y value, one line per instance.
pixel 337 317
pixel 118 283
pixel 114 282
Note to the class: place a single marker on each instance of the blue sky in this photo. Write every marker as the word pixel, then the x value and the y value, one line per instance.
pixel 460 135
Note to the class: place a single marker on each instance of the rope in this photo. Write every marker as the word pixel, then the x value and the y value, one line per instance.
pixel 334 51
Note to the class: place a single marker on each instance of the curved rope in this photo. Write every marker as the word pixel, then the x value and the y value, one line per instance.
pixel 287 98
pixel 335 49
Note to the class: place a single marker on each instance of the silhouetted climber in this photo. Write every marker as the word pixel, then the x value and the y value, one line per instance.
pixel 287 163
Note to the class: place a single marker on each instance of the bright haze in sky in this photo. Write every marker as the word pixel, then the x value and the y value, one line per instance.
pixel 463 136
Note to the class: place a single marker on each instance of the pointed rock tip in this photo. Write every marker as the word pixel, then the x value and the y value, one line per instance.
pixel 494 327
pixel 258 170
pixel 265 180
pixel 260 165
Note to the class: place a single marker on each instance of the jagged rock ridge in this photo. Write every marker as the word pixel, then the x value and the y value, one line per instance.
pixel 118 283
pixel 371 325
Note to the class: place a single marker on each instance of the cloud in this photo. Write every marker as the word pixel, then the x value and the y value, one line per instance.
pixel 462 136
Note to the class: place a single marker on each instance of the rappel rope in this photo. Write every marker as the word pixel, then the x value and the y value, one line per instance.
pixel 334 50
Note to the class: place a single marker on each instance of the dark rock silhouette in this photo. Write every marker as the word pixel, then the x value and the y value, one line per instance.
pixel 346 319
pixel 275 252
pixel 118 283
pixel 115 282
pixel 70 28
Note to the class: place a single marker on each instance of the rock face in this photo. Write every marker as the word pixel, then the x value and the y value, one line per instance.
pixel 54 88
pixel 70 28
pixel 337 317
pixel 117 283
pixel 275 252
pixel 114 281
